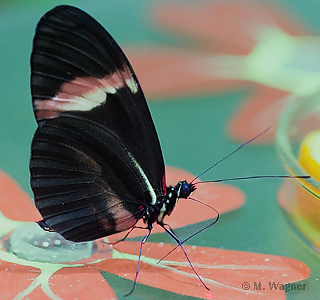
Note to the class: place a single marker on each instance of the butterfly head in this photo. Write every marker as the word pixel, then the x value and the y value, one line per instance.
pixel 184 189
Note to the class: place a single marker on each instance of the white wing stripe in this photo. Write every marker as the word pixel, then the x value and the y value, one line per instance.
pixel 146 180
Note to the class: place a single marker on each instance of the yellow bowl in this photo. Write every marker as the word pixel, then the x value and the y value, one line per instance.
pixel 300 198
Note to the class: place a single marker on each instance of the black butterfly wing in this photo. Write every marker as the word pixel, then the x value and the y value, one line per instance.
pixel 85 180
pixel 96 160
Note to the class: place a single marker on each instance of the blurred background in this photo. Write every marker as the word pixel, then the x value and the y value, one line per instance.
pixel 215 74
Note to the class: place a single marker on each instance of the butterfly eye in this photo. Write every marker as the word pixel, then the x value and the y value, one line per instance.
pixel 186 189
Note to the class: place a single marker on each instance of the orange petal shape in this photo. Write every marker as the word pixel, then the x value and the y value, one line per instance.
pixel 35 280
pixel 15 203
pixel 16 278
pixel 80 283
pixel 229 274
pixel 67 283
pixel 256 114
pixel 225 26
pixel 166 71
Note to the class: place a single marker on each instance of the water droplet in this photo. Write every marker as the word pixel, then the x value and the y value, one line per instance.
pixel 45 244
pixel 57 242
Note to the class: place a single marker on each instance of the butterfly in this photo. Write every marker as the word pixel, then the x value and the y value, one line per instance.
pixel 96 165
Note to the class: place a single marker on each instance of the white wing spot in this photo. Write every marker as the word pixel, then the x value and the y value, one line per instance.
pixel 132 85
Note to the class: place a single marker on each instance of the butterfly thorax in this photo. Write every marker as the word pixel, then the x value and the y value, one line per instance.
pixel 165 205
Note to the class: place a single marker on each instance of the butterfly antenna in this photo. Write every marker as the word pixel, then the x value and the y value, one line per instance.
pixel 139 259
pixel 185 254
pixel 256 177
pixel 234 151
pixel 197 232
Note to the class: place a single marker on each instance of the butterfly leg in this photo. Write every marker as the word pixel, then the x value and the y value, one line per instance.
pixel 185 253
pixel 139 259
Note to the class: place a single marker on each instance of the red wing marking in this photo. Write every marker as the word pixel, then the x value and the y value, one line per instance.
pixel 164 184
pixel 84 94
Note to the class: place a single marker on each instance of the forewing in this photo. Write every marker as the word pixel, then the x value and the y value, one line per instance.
pixel 85 181
pixel 78 69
